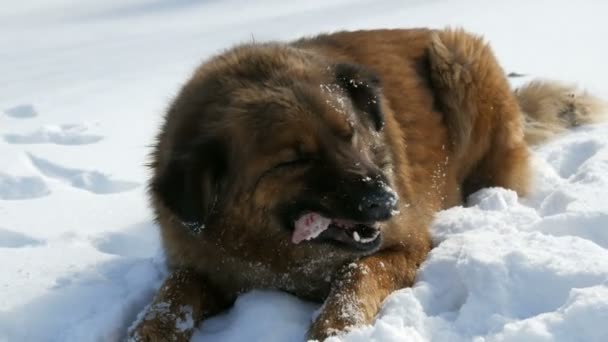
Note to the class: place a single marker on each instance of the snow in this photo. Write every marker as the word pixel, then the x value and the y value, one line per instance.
pixel 21 112
pixel 55 134
pixel 83 88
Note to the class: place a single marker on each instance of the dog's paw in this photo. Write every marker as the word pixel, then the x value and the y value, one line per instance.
pixel 325 327
pixel 144 333
pixel 156 331
pixel 162 324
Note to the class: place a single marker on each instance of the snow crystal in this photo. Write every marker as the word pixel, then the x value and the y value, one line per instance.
pixel 194 228
pixel 184 320
pixel 158 310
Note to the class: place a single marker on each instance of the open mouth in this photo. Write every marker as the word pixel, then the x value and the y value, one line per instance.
pixel 358 235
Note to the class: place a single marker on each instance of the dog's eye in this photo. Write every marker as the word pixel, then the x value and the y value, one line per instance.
pixel 293 163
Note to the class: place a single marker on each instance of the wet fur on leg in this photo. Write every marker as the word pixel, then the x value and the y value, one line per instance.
pixel 180 304
pixel 360 289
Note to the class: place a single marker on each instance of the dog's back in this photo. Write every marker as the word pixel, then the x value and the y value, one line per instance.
pixel 450 101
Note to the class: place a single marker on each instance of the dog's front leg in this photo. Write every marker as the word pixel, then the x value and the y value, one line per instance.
pixel 184 299
pixel 359 290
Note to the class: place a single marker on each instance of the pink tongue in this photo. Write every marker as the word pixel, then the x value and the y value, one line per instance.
pixel 309 226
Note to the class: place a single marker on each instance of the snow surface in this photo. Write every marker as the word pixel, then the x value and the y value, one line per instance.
pixel 82 91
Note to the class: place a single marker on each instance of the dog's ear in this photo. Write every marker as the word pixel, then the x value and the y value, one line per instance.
pixel 191 183
pixel 363 87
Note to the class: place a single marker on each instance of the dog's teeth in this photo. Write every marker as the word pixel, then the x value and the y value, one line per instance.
pixel 356 236
pixel 369 239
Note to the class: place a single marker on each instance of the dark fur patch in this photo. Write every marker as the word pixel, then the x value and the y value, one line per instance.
pixel 190 184
pixel 362 86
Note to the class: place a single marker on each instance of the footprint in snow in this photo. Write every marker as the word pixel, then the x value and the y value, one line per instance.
pixel 92 181
pixel 21 187
pixel 139 241
pixel 55 134
pixel 568 161
pixel 24 111
pixel 12 239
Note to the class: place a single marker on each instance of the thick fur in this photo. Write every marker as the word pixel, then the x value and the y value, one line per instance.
pixel 551 108
pixel 429 112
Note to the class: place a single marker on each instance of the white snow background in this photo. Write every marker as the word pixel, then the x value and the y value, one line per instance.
pixel 83 85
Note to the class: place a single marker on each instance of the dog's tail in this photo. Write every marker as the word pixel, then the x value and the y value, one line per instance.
pixel 551 108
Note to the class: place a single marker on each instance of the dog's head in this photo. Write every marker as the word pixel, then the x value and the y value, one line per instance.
pixel 282 141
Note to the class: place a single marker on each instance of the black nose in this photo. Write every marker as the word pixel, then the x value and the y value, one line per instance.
pixel 379 205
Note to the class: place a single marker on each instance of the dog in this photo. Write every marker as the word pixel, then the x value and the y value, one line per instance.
pixel 316 166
